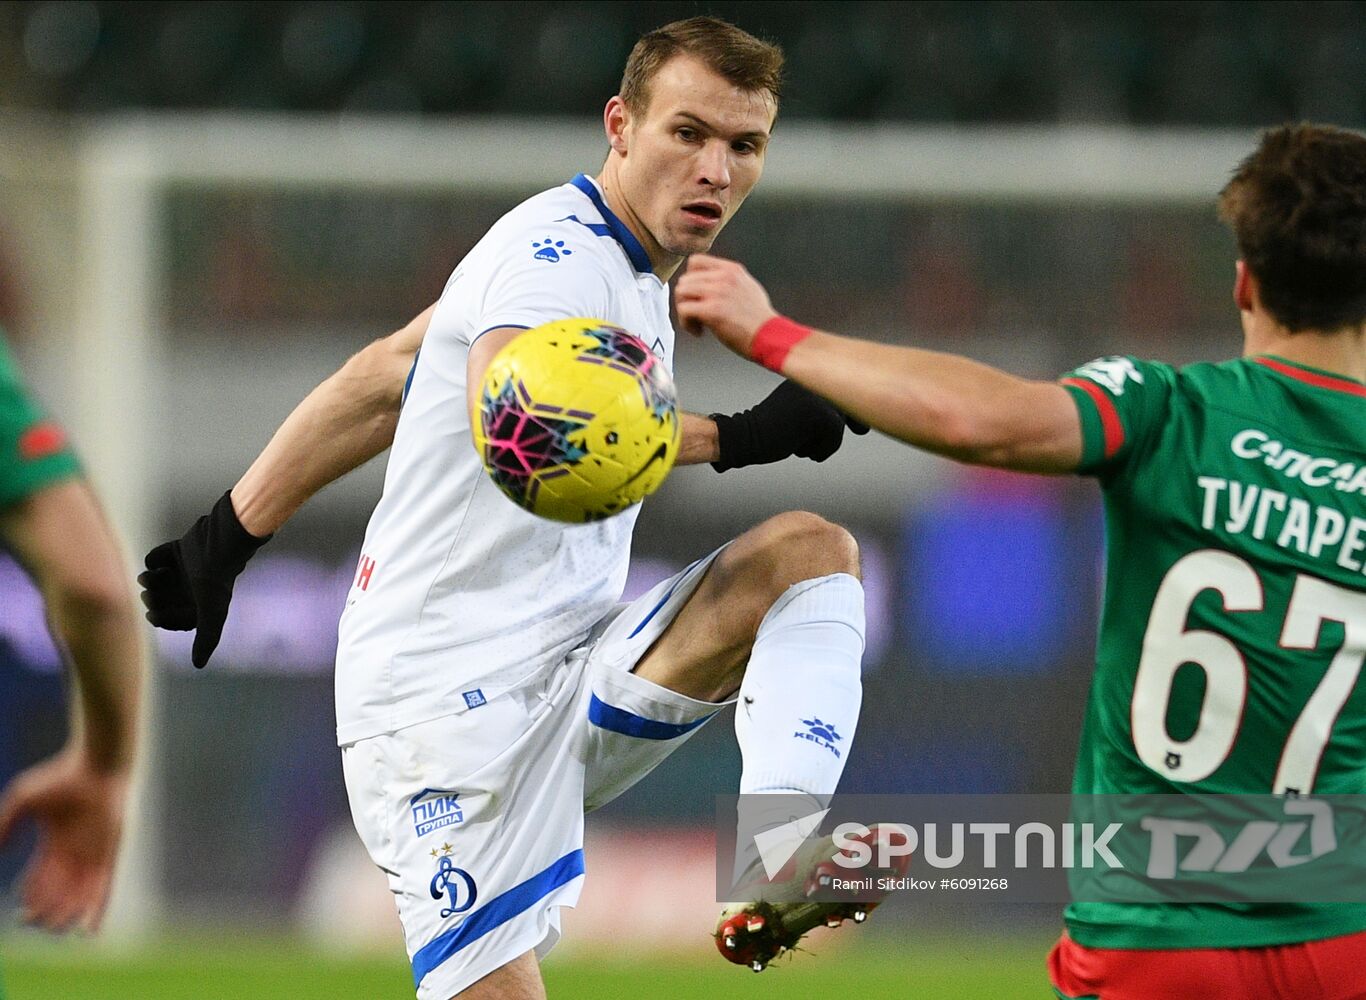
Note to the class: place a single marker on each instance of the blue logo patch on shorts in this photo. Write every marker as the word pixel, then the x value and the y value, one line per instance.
pixel 433 809
pixel 452 884
pixel 475 698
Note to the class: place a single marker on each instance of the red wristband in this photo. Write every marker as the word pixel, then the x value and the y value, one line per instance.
pixel 774 341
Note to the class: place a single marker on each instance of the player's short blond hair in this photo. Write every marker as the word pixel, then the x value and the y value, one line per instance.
pixel 747 62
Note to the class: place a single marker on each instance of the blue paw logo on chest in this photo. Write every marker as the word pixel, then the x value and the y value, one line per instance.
pixel 454 885
pixel 823 734
pixel 551 250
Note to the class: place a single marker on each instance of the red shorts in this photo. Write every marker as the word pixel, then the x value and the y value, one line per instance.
pixel 1329 969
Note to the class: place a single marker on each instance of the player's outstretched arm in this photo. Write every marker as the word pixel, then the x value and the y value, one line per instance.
pixel 77 797
pixel 943 403
pixel 343 423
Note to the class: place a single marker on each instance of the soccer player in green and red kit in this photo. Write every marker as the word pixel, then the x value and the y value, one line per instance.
pixel 1235 498
pixel 51 523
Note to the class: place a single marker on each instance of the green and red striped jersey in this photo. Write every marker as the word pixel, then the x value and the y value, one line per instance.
pixel 1233 628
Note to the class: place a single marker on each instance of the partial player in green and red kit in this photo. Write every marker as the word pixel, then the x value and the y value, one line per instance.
pixel 1235 500
pixel 52 525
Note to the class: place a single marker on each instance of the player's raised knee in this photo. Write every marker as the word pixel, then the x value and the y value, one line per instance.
pixel 801 545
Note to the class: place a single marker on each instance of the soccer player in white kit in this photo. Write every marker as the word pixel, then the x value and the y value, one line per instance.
pixel 490 690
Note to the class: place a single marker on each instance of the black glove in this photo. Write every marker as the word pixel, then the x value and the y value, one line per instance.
pixel 790 421
pixel 188 583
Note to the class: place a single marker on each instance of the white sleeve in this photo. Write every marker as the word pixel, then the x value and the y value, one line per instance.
pixel 543 275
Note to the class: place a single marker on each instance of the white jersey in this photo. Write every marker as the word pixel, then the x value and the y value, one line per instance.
pixel 460 593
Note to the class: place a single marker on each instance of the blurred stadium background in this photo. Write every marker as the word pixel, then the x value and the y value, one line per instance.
pixel 205 207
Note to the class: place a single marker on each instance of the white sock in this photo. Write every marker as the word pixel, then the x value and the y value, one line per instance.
pixel 805 670
pixel 799 702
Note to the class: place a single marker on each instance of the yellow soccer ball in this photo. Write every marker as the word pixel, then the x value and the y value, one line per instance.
pixel 577 420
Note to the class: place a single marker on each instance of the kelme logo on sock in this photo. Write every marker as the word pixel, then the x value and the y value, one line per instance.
pixel 821 733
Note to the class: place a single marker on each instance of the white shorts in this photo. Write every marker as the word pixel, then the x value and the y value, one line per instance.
pixel 477 818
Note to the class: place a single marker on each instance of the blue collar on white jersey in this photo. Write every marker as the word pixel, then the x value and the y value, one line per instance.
pixel 615 228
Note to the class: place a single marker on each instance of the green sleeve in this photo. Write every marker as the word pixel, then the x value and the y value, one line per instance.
pixel 1122 402
pixel 34 452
